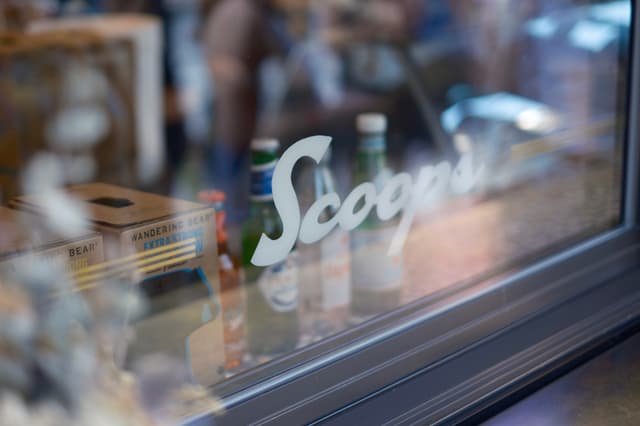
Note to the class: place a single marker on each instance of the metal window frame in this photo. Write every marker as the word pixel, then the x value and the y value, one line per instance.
pixel 442 361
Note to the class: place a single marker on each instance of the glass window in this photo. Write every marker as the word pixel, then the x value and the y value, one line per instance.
pixel 193 189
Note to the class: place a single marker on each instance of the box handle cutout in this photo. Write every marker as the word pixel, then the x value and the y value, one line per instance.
pixel 116 203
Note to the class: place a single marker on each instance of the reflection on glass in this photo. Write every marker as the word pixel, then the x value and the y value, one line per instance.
pixel 533 92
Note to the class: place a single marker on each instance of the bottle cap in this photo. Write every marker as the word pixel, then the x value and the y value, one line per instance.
pixel 265 145
pixel 211 197
pixel 371 123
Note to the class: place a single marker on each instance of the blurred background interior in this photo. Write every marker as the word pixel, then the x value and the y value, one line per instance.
pixel 513 81
pixel 166 96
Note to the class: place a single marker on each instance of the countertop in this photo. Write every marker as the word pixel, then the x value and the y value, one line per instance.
pixel 603 391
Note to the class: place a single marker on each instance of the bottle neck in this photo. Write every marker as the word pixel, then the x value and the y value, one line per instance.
pixel 221 231
pixel 262 169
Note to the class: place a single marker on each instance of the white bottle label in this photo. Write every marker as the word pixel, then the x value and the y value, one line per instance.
pixel 372 267
pixel 279 285
pixel 336 270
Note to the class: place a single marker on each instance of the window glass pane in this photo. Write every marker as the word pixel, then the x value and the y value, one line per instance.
pixel 192 189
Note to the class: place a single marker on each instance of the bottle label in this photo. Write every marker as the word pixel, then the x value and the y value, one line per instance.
pixel 372 143
pixel 261 177
pixel 372 267
pixel 336 270
pixel 279 285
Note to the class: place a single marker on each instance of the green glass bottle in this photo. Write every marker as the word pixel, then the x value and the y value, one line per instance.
pixel 376 277
pixel 272 292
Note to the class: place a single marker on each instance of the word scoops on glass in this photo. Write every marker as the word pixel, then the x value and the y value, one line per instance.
pixel 400 194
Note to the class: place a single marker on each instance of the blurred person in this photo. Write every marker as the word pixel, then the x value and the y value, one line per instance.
pixel 239 35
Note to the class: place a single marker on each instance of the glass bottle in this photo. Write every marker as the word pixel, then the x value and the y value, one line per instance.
pixel 272 292
pixel 325 266
pixel 376 277
pixel 232 298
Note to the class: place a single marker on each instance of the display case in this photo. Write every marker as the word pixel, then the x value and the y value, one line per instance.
pixel 340 212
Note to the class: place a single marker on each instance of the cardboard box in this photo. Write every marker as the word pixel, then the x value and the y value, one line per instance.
pixel 172 245
pixel 18 241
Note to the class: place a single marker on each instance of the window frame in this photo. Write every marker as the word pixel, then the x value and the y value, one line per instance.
pixel 436 363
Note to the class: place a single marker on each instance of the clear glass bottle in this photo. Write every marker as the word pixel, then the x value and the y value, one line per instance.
pixel 232 296
pixel 376 277
pixel 272 292
pixel 325 266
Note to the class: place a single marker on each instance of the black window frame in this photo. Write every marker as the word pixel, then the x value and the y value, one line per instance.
pixel 437 364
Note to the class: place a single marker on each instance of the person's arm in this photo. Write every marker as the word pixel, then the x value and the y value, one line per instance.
pixel 229 40
pixel 235 103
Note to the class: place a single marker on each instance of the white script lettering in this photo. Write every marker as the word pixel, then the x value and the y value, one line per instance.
pixel 400 194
